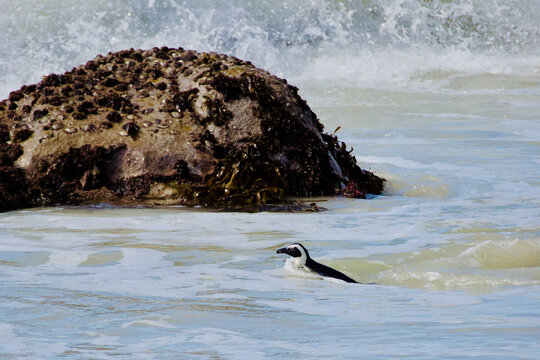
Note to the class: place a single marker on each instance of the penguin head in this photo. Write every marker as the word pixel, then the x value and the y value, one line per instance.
pixel 297 251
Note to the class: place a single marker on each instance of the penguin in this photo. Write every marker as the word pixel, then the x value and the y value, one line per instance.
pixel 302 259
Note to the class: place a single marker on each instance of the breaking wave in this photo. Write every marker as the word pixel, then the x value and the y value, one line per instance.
pixel 371 41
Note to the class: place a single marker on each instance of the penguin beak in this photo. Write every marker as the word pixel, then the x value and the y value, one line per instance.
pixel 282 251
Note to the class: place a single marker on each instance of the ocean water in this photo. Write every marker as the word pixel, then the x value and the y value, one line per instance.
pixel 442 98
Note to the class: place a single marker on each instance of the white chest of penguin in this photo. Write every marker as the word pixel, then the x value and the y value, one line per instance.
pixel 300 264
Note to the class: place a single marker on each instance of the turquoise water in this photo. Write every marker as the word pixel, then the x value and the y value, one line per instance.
pixel 442 98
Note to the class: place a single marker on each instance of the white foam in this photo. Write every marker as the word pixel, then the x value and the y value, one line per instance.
pixel 67 258
pixel 161 323
pixel 291 267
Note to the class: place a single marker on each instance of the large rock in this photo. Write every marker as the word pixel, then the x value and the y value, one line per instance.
pixel 168 126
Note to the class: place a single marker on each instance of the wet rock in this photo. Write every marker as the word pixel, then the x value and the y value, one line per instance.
pixel 168 126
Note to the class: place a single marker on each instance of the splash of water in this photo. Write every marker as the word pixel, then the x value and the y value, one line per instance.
pixel 371 41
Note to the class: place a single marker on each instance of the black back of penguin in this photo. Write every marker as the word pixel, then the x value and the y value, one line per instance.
pixel 327 271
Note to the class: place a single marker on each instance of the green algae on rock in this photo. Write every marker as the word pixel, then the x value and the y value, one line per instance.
pixel 168 126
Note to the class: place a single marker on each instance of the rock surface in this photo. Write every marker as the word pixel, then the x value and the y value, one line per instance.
pixel 168 126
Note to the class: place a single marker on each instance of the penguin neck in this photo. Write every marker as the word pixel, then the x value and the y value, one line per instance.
pixel 303 261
